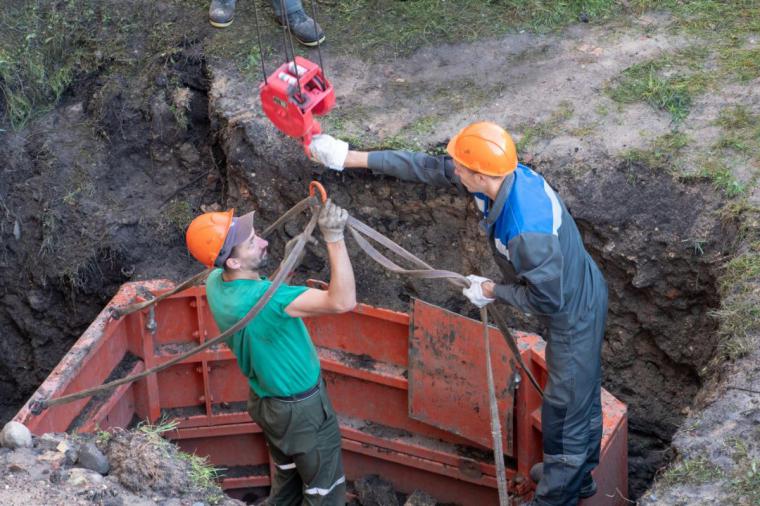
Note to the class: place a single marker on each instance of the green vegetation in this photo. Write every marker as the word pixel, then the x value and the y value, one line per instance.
pixel 668 83
pixel 691 470
pixel 742 63
pixel 544 129
pixel 740 142
pixel 155 432
pixel 740 309
pixel 745 477
pixel 741 131
pixel 746 483
pixel 176 216
pixel 369 24
pixel 202 474
pixel 671 82
pixel 103 437
pixel 46 46
pixel 42 46
pixel 662 154
pixel 720 175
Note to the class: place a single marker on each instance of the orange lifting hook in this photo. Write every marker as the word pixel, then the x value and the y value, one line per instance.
pixel 318 186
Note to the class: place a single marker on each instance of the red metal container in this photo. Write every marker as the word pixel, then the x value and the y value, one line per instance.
pixel 410 390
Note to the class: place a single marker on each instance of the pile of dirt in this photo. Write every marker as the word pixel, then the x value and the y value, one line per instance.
pixel 372 490
pixel 135 468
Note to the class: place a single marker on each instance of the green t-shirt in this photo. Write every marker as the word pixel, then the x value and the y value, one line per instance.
pixel 274 350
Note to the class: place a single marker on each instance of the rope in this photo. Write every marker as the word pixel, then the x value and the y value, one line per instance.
pixel 498 451
pixel 427 272
pixel 316 36
pixel 287 265
pixel 358 230
pixel 284 14
pixel 258 37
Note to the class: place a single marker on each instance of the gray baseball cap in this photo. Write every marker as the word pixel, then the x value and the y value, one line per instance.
pixel 239 231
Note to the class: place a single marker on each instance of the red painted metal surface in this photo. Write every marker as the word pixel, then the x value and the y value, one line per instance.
pixel 428 432
pixel 448 368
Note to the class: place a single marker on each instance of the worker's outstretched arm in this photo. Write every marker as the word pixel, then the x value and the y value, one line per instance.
pixel 340 295
pixel 405 165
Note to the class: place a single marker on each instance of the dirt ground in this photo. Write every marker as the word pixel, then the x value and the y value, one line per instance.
pixel 98 191
pixel 143 469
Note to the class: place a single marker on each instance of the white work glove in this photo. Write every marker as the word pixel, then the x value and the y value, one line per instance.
pixel 329 151
pixel 332 220
pixel 475 291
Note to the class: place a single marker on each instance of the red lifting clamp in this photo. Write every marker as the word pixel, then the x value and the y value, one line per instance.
pixel 291 100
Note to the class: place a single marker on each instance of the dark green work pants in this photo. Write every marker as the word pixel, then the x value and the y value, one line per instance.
pixel 304 443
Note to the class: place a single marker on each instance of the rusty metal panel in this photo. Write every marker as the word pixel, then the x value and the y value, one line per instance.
pixel 371 333
pixel 430 437
pixel 448 387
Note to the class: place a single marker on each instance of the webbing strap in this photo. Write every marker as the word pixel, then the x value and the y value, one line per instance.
pixel 359 231
pixel 358 228
pixel 498 451
pixel 286 266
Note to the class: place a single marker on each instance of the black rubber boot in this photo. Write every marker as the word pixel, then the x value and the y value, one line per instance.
pixel 221 12
pixel 304 29
pixel 588 485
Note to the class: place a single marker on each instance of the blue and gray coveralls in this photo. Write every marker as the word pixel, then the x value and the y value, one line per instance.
pixel 290 6
pixel 547 273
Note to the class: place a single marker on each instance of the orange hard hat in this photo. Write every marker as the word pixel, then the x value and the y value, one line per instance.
pixel 211 237
pixel 484 147
pixel 206 234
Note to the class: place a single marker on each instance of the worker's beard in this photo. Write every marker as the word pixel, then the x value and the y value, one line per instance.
pixel 262 262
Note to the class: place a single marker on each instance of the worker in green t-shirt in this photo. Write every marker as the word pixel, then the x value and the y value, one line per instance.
pixel 288 399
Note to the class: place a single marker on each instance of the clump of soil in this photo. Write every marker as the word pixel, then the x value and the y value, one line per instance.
pixel 146 464
pixel 144 469
pixel 372 490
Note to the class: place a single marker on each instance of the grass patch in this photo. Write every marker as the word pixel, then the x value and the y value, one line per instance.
pixel 668 83
pixel 156 431
pixel 740 136
pixel 398 28
pixel 202 474
pixel 739 314
pixel 742 63
pixel 46 46
pixel 746 483
pixel 709 17
pixel 545 129
pixel 661 155
pixel 722 178
pixel 691 471
pixel 739 285
pixel 42 47
pixel 176 216
pixel 741 133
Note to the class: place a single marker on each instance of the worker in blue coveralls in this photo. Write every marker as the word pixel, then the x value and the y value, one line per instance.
pixel 547 272
pixel 289 13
